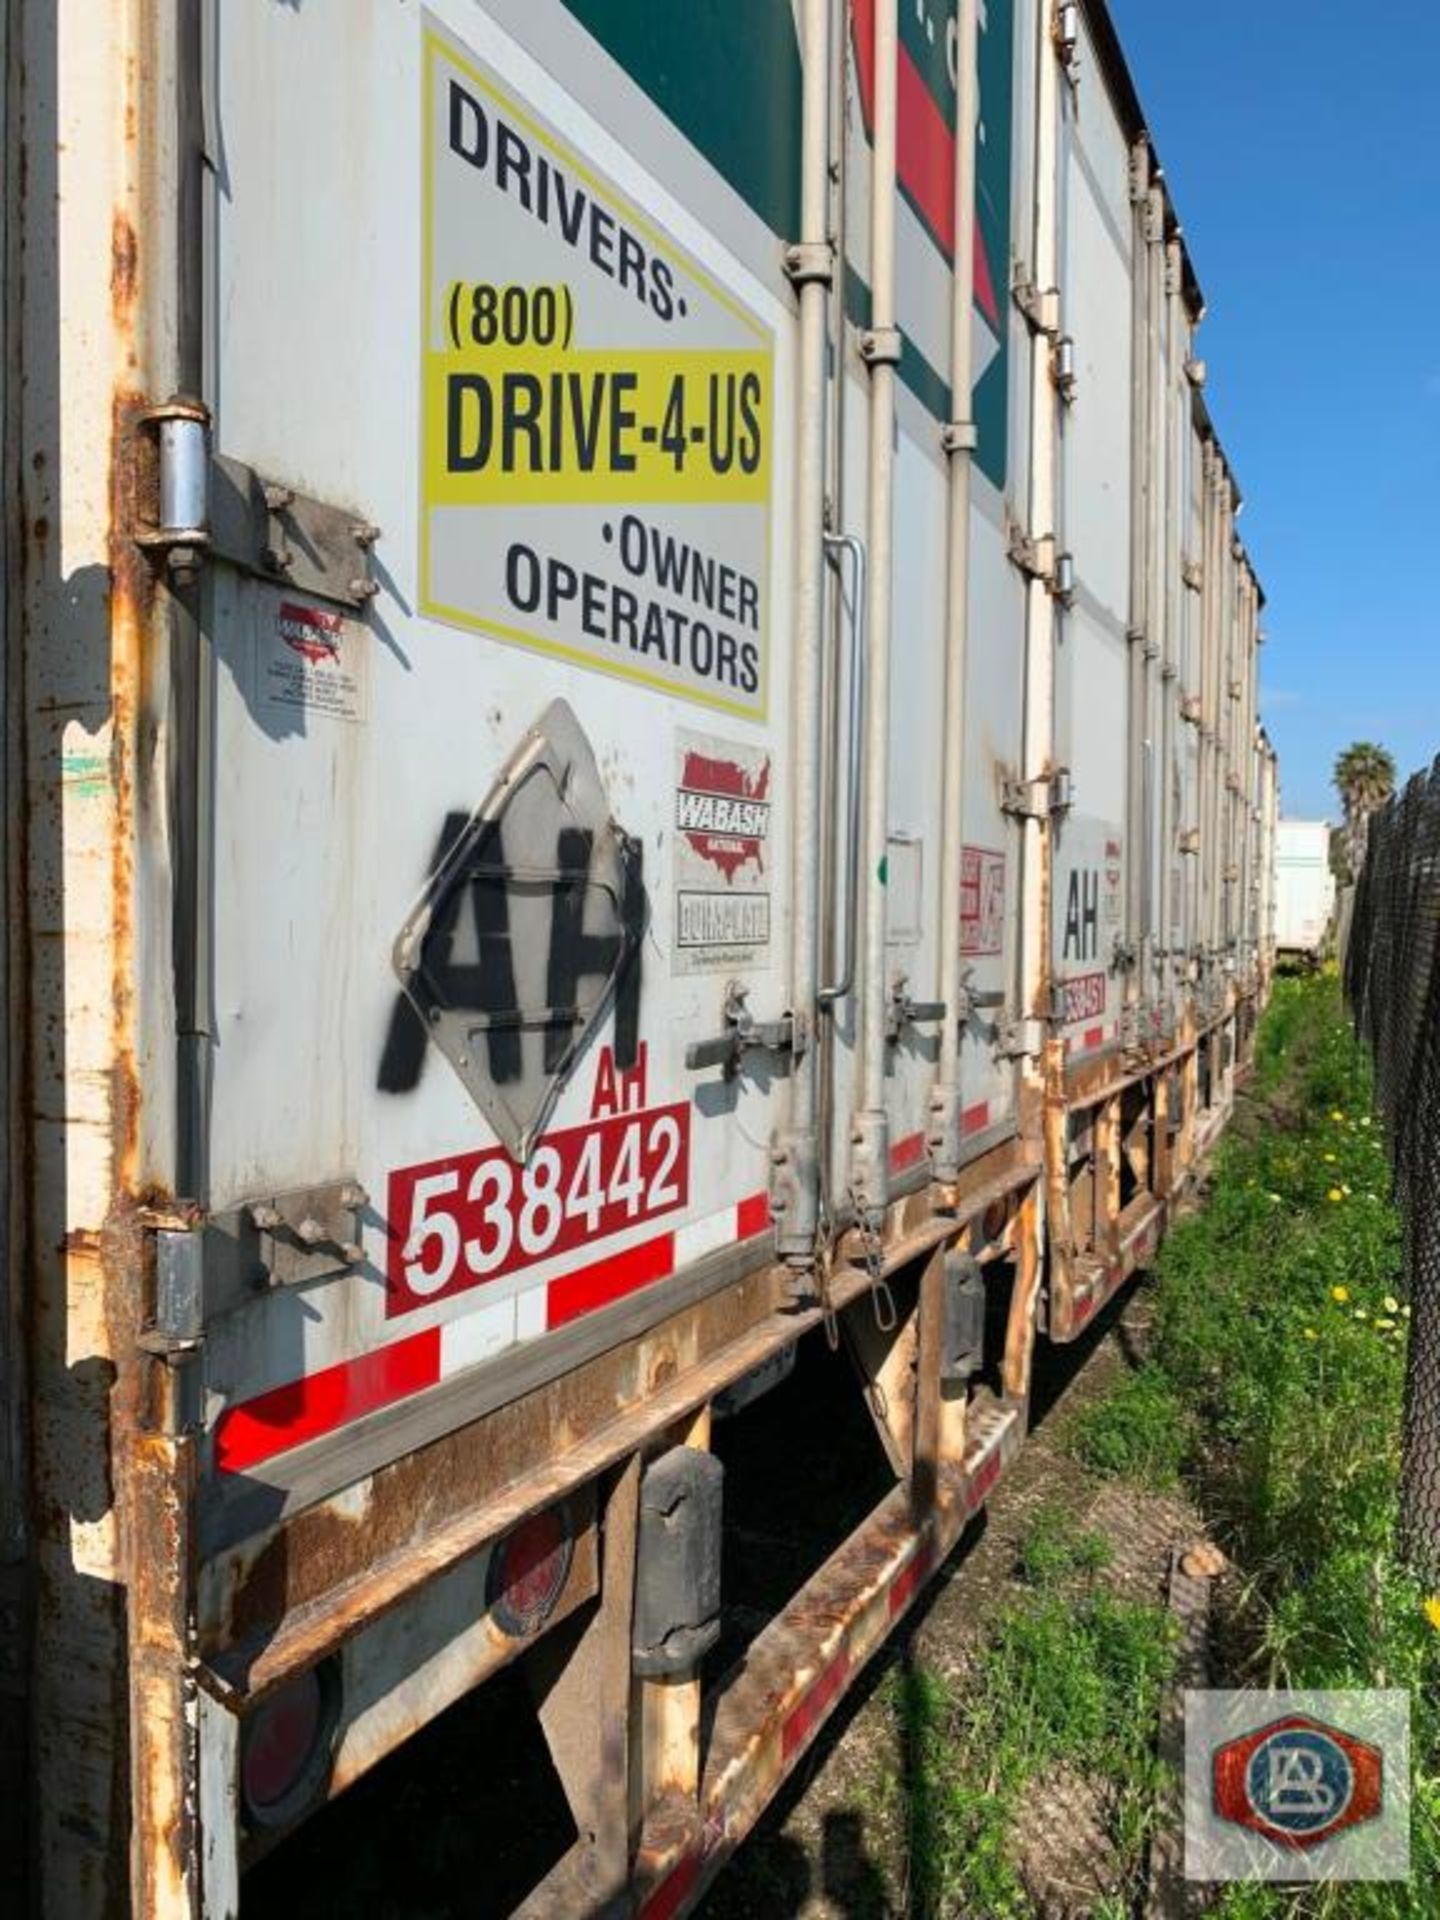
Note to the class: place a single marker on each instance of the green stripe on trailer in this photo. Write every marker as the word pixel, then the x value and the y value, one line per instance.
pixel 932 389
pixel 728 75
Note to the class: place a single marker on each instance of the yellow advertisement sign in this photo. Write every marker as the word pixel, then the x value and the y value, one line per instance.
pixel 597 412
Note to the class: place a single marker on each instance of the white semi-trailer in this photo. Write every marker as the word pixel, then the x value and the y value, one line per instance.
pixel 1304 889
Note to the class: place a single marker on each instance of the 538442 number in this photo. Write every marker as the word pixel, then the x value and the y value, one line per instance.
pixel 462 1222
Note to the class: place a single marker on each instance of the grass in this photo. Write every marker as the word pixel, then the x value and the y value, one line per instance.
pixel 1069 1680
pixel 1275 1385
pixel 1053 1548
pixel 1139 1432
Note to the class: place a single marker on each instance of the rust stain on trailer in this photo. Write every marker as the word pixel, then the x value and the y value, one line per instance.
pixel 124 268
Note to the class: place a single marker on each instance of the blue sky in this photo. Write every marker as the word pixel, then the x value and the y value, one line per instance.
pixel 1302 147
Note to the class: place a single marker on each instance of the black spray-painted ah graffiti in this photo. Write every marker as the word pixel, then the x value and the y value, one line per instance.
pixel 484 987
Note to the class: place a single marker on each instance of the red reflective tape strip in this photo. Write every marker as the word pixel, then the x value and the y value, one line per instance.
pixel 668 1898
pixel 908 1582
pixel 1094 1037
pixel 752 1216
pixel 975 1119
pixel 986 1474
pixel 907 1153
pixel 812 1706
pixel 302 1410
pixel 595 1286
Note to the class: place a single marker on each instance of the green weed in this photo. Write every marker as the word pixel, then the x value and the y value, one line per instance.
pixel 1138 1432
pixel 1062 1682
pixel 1054 1549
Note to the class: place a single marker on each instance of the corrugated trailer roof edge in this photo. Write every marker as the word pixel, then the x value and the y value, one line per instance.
pixel 1121 82
pixel 1115 69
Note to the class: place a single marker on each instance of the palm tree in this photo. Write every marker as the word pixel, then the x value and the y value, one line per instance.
pixel 1365 780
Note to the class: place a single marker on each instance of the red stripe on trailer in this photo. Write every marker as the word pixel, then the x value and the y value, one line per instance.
pixel 985 1476
pixel 907 1153
pixel 924 151
pixel 574 1294
pixel 908 1582
pixel 304 1409
pixel 975 1119
pixel 752 1216
pixel 1094 1037
pixel 812 1706
pixel 673 1891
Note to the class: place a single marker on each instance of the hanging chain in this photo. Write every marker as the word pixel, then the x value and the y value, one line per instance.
pixel 872 1246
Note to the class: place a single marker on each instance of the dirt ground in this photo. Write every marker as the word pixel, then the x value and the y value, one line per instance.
pixel 832 1846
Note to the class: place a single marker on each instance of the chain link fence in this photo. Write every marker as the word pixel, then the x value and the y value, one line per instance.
pixel 1392 981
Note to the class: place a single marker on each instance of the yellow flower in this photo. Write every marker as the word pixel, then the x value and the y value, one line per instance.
pixel 1310 1334
pixel 1432 1611
pixel 1336 1195
pixel 1342 1294
pixel 1390 1303
pixel 1331 1158
pixel 1337 1115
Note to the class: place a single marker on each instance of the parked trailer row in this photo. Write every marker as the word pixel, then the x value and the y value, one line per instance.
pixel 632 734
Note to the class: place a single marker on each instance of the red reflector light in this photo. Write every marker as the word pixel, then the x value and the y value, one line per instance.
pixel 528 1572
pixel 286 1746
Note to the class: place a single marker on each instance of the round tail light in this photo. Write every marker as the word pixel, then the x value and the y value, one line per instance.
pixel 286 1747
pixel 528 1572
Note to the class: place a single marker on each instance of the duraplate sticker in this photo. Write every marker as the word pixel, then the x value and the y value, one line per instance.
pixel 597 411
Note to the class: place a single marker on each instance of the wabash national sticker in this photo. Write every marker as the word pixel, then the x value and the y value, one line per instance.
pixel 312 632
pixel 723 809
pixel 308 661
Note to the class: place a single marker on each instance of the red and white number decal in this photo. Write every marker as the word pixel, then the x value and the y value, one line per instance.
pixel 1084 998
pixel 458 1223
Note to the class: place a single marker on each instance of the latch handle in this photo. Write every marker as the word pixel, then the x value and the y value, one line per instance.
pixel 835 544
pixel 743 1034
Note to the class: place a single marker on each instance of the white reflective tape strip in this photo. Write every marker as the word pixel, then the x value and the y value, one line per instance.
pixel 530 1313
pixel 476 1335
pixel 700 1237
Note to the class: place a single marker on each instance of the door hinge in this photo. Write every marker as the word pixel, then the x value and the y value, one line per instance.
pixel 190 504
pixel 1021 1040
pixel 1038 799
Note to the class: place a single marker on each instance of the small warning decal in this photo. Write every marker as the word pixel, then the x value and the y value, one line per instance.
pixel 307 661
pixel 982 902
pixel 1110 903
pixel 723 808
